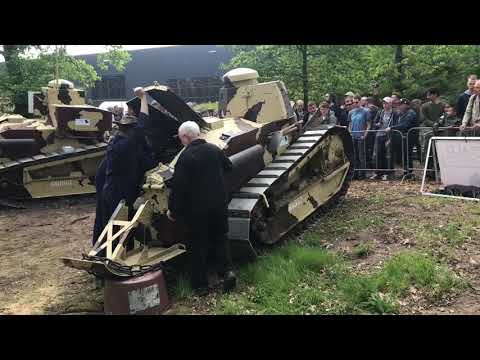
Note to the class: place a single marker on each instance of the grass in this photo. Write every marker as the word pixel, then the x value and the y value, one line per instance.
pixel 443 238
pixel 306 280
pixel 379 292
pixel 363 249
pixel 182 288
pixel 314 274
pixel 206 106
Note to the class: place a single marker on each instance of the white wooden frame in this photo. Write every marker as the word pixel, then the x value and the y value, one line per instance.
pixel 458 138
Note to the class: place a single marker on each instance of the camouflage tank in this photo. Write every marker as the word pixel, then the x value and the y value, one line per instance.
pixel 6 107
pixel 56 152
pixel 282 175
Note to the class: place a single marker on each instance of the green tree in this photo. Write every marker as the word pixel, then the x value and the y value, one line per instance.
pixel 29 67
pixel 408 69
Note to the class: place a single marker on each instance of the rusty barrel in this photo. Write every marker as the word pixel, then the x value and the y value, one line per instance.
pixel 142 295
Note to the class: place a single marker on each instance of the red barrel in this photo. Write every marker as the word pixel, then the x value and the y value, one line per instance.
pixel 143 295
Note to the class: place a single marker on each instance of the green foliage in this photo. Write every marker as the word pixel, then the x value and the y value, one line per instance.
pixel 206 106
pixel 363 249
pixel 24 70
pixel 115 56
pixel 378 292
pixel 342 68
pixel 407 269
pixel 307 280
pixel 182 288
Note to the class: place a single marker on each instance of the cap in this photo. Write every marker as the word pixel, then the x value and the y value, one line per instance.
pixel 349 94
pixel 387 99
pixel 404 101
pixel 126 120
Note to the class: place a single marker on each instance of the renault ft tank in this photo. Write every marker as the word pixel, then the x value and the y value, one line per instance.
pixel 55 153
pixel 282 175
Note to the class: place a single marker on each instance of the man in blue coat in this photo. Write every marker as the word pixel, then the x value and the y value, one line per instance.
pixel 128 157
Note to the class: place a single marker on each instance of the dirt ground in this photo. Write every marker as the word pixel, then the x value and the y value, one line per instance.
pixel 34 281
pixel 32 240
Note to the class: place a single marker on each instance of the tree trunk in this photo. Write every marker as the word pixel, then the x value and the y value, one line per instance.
pixel 305 75
pixel 398 81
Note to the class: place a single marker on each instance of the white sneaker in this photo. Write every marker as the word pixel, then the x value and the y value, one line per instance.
pixel 374 177
pixel 384 177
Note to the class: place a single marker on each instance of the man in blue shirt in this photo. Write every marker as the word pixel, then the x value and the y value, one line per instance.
pixel 359 123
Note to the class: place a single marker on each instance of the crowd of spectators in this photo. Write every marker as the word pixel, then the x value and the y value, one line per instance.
pixel 395 130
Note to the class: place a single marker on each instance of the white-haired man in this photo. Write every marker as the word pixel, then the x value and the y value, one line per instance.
pixel 471 118
pixel 199 197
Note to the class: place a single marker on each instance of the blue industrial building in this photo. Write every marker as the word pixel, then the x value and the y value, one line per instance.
pixel 192 71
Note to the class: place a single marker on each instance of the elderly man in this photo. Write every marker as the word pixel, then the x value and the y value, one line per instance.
pixel 299 110
pixel 199 197
pixel 382 150
pixel 463 99
pixel 472 113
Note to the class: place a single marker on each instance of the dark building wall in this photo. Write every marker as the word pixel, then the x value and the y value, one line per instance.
pixel 179 63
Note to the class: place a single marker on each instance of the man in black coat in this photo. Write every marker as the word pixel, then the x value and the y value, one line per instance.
pixel 100 175
pixel 463 99
pixel 407 119
pixel 199 197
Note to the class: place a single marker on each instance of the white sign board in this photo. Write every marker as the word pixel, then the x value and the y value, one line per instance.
pixel 82 122
pixel 31 95
pixel 143 298
pixel 459 161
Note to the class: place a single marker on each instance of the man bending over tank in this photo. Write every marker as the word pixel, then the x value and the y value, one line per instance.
pixel 199 197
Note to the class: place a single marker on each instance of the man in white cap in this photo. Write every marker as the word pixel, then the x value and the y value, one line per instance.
pixel 382 150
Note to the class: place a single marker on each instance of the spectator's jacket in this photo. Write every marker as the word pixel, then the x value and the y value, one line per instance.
pixel 462 103
pixel 334 107
pixel 330 119
pixel 378 123
pixel 373 110
pixel 472 113
pixel 359 122
pixel 431 113
pixel 406 121
pixel 342 117
pixel 300 115
pixel 449 121
pixel 307 117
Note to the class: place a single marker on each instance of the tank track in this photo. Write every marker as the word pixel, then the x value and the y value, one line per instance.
pixel 243 204
pixel 13 169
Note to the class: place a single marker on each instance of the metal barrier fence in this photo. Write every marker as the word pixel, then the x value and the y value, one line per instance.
pixel 389 153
